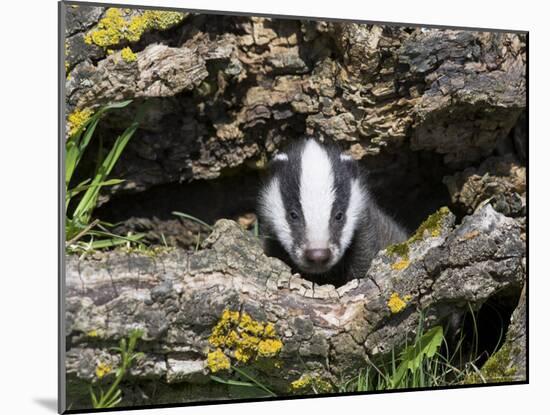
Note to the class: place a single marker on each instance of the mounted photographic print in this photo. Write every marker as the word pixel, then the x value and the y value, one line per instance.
pixel 274 207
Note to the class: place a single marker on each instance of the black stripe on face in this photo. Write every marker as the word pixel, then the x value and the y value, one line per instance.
pixel 288 173
pixel 343 175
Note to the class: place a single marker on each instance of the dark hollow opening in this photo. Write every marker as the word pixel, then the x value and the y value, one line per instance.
pixel 484 330
pixel 407 185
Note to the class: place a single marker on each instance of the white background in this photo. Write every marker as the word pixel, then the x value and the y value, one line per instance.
pixel 28 204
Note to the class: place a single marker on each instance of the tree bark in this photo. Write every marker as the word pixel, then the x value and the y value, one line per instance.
pixel 177 298
pixel 243 86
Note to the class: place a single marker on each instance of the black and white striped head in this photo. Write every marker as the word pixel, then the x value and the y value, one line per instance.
pixel 312 204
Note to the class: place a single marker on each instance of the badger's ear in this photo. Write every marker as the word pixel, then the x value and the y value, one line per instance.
pixel 280 157
pixel 351 165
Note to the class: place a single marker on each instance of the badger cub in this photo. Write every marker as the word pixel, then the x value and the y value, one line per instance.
pixel 317 215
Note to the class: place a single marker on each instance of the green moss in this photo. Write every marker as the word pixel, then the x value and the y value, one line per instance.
pixel 432 225
pixel 115 27
pixel 498 368
pixel 400 249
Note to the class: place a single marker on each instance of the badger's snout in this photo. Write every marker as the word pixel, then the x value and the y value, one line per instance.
pixel 316 259
pixel 318 256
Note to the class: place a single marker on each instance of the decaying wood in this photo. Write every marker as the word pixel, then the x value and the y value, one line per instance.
pixel 226 93
pixel 229 91
pixel 177 298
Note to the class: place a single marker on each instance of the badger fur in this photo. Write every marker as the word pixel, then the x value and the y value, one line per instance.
pixel 317 215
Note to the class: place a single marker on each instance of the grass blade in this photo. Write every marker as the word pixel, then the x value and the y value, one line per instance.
pixel 89 200
pixel 231 382
pixel 250 378
pixel 194 219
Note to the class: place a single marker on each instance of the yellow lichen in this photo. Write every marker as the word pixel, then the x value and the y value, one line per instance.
pixel 217 361
pixel 396 303
pixel 302 382
pixel 128 55
pixel 401 264
pixel 270 330
pixel 110 30
pixel 78 118
pixel 244 338
pixel 251 326
pixel 115 28
pixel 315 382
pixel 162 20
pixel 269 347
pixel 102 369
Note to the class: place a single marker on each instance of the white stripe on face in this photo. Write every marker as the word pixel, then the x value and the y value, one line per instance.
pixel 281 157
pixel 316 194
pixel 356 205
pixel 273 207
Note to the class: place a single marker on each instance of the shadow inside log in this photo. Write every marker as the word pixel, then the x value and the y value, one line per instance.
pixel 407 185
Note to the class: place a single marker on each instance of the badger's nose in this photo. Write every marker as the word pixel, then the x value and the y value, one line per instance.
pixel 318 256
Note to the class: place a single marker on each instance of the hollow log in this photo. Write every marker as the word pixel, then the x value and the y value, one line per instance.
pixel 178 299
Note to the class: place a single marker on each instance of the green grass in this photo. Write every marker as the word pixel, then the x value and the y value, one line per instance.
pixel 113 396
pixel 81 232
pixel 194 219
pixel 250 387
pixel 428 362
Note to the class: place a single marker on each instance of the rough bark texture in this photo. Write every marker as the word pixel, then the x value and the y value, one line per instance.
pixel 437 117
pixel 230 90
pixel 178 298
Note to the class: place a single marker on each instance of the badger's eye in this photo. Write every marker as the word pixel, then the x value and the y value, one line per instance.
pixel 339 216
pixel 293 215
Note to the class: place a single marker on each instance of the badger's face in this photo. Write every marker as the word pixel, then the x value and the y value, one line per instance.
pixel 313 204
